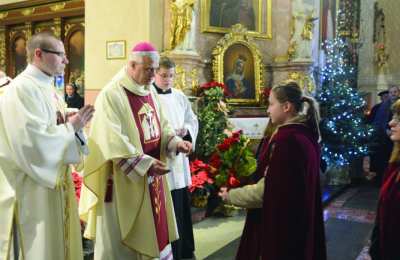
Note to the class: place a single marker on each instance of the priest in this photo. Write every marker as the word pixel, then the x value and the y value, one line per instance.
pixel 125 199
pixel 179 113
pixel 39 216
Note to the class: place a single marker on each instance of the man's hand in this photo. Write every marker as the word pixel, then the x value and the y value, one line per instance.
pixel 223 193
pixel 82 117
pixel 184 147
pixel 158 168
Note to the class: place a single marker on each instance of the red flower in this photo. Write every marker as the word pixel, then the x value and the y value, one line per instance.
pixel 214 84
pixel 200 175
pixel 77 179
pixel 215 161
pixel 233 182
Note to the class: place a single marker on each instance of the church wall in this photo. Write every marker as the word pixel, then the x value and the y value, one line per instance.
pixel 132 21
pixel 4 2
pixel 391 10
pixel 368 71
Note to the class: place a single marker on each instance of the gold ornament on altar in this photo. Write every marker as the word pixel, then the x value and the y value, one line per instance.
pixel 305 81
pixel 382 57
pixel 181 20
pixel 307 33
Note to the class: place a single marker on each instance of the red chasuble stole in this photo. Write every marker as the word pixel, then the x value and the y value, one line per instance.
pixel 148 125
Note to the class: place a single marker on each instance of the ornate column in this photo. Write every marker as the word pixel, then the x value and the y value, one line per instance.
pixel 57 27
pixel 3 48
pixel 297 71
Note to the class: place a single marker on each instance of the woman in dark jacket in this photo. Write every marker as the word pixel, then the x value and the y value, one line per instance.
pixel 72 98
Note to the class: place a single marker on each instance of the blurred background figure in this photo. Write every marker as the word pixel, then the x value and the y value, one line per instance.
pixel 72 98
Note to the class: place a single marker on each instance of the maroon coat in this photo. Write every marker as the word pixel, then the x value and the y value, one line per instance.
pixel 250 243
pixel 389 214
pixel 292 225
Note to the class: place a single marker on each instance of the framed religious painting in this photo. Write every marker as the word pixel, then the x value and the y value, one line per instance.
pixel 328 18
pixel 237 63
pixel 220 15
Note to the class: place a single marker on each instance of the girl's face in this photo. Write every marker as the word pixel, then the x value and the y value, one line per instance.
pixel 278 112
pixel 395 128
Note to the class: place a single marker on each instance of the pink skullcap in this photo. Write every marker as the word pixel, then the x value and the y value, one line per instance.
pixel 143 47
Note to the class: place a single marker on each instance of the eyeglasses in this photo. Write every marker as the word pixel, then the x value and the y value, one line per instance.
pixel 60 54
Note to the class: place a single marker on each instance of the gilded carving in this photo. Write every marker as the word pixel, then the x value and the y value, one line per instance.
pixel 3 15
pixel 180 78
pixel 194 74
pixel 243 74
pixel 67 27
pixel 57 7
pixel 57 27
pixel 2 48
pixel 28 11
pixel 305 81
pixel 181 21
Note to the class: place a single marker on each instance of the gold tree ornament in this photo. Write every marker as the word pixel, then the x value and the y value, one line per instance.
pixel 181 20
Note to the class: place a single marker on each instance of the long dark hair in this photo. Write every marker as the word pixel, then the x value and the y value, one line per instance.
pixel 291 92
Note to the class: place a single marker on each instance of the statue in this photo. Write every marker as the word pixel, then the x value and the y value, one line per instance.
pixel 302 26
pixel 182 25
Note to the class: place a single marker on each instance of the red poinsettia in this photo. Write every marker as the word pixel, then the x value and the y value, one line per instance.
pixel 200 175
pixel 77 179
pixel 214 84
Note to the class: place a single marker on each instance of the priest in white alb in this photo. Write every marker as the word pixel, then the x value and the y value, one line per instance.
pixel 125 199
pixel 38 212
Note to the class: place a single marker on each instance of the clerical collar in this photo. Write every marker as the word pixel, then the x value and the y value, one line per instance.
pixel 35 72
pixel 162 91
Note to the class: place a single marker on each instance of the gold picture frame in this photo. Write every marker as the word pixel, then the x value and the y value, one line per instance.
pixel 116 50
pixel 238 64
pixel 258 22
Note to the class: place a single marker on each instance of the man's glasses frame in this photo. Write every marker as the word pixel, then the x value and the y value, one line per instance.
pixel 60 54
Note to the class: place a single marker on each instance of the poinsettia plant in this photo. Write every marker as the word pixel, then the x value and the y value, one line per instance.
pixel 202 183
pixel 201 177
pixel 234 161
pixel 212 116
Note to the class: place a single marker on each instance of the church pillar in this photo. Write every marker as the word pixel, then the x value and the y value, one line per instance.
pixel 128 21
pixel 3 48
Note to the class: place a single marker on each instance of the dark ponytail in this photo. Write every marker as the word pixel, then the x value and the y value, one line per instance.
pixel 312 115
pixel 291 92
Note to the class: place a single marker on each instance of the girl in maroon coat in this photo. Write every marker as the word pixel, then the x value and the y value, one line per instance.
pixel 387 229
pixel 292 225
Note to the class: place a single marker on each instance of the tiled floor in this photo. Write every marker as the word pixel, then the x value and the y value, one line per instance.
pixel 348 223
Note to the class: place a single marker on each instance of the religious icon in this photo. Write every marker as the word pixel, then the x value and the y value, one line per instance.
pixel 221 15
pixel 239 72
pixel 149 123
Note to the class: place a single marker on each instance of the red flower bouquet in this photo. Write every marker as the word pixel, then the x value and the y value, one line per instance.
pixel 214 85
pixel 234 161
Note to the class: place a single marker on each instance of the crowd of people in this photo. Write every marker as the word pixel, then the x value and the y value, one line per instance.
pixel 134 201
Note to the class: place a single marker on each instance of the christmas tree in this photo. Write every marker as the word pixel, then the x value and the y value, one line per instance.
pixel 344 134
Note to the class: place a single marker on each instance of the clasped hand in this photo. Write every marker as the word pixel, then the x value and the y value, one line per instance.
pixel 80 119
pixel 184 147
